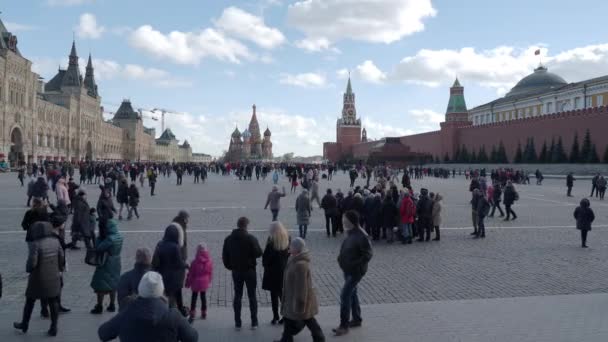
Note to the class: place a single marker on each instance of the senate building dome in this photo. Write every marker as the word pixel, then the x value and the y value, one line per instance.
pixel 540 80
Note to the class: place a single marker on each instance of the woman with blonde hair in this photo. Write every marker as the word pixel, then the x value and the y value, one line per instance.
pixel 274 260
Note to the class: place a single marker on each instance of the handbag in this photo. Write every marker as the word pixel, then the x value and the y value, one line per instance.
pixel 95 258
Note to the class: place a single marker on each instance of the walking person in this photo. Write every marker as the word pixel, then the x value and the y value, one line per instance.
pixel 314 192
pixel 510 197
pixel 148 317
pixel 152 181
pixel 274 200
pixel 45 263
pixel 569 184
pixel 105 205
pixel 168 261
pixel 584 216
pixel 122 196
pixel 200 276
pixel 133 195
pixel 355 254
pixel 483 208
pixel 303 210
pixel 300 305
pixel 37 213
pixel 329 203
pixel 389 217
pixel 239 255
pixel 474 205
pixel 496 196
pixel 594 187
pixel 274 260
pixel 436 216
pixel 107 275
pixel 81 222
pixel 601 187
pixel 424 212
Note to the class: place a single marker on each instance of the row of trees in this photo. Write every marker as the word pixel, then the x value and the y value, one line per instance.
pixel 554 153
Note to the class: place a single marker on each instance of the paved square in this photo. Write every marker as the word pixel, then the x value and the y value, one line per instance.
pixel 538 254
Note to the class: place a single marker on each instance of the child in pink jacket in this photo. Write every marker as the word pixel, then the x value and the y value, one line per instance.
pixel 199 279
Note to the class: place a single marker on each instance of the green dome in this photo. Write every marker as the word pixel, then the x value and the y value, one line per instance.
pixel 539 81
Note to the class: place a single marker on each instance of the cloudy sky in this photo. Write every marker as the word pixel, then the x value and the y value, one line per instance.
pixel 211 60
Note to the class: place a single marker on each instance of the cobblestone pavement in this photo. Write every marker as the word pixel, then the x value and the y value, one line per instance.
pixel 538 254
pixel 530 319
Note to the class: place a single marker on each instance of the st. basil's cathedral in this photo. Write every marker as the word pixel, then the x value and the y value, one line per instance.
pixel 249 144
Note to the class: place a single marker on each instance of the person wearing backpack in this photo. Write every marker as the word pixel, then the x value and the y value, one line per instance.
pixel 483 209
pixel 510 196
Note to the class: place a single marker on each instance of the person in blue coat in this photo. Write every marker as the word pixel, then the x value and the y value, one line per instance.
pixel 106 277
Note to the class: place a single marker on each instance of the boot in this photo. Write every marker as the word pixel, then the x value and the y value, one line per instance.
pixel 21 326
pixel 97 310
pixel 191 316
pixel 204 314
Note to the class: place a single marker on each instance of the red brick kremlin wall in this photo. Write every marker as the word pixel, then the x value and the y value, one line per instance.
pixel 542 128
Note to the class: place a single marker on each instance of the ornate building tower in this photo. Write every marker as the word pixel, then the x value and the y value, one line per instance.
pixel 246 150
pixel 235 148
pixel 457 107
pixel 348 127
pixel 364 135
pixel 267 145
pixel 89 79
pixel 256 137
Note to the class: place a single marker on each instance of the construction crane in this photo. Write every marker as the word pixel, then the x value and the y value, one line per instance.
pixel 142 115
pixel 162 118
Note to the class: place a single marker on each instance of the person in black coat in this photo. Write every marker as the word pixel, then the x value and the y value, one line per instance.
pixel 133 201
pixel 105 205
pixel 122 196
pixel 496 196
pixel 355 255
pixel 570 183
pixel 329 203
pixel 81 222
pixel 424 212
pixel 390 218
pixel 239 255
pixel 169 263
pixel 584 217
pixel 510 196
pixel 38 212
pixel 274 261
pixel 375 216
pixel 129 281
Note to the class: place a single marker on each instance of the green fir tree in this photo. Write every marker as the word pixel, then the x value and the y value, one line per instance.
pixel 473 158
pixel 501 154
pixel 586 149
pixel 519 155
pixel 593 157
pixel 494 155
pixel 606 155
pixel 543 157
pixel 446 158
pixel 464 155
pixel 575 153
pixel 482 157
pixel 559 155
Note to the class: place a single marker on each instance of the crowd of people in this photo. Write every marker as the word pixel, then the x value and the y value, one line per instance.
pixel 149 299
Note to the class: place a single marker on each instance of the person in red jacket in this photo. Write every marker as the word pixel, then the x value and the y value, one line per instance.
pixel 407 212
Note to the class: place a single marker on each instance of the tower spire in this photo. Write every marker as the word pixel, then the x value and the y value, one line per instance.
pixel 73 54
pixel 349 88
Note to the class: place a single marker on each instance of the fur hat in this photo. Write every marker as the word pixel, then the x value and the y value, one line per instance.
pixel 151 285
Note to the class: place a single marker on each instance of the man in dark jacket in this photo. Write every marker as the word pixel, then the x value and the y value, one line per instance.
pixel 496 195
pixel 474 204
pixel 129 281
pixel 148 318
pixel 483 208
pixel 330 206
pixel 239 255
pixel 570 183
pixel 424 212
pixel 81 222
pixel 355 254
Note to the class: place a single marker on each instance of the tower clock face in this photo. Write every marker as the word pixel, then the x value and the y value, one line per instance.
pixel 350 112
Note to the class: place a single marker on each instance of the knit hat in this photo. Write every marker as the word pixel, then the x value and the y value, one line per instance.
pixel 151 285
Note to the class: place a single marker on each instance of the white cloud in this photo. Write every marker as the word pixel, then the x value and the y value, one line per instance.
pixel 313 44
pixel 369 72
pixel 305 80
pixel 88 27
pixel 68 2
pixel 371 21
pixel 427 116
pixel 189 47
pixel 377 130
pixel 236 22
pixel 342 73
pixel 499 68
pixel 16 27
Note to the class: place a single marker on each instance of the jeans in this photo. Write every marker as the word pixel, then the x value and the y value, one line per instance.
pixel 481 230
pixel 496 204
pixel 330 220
pixel 406 230
pixel 249 279
pixel 275 213
pixel 152 186
pixel 584 237
pixel 275 297
pixel 53 304
pixel 303 229
pixel 349 301
pixel 292 328
pixel 510 211
pixel 474 217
